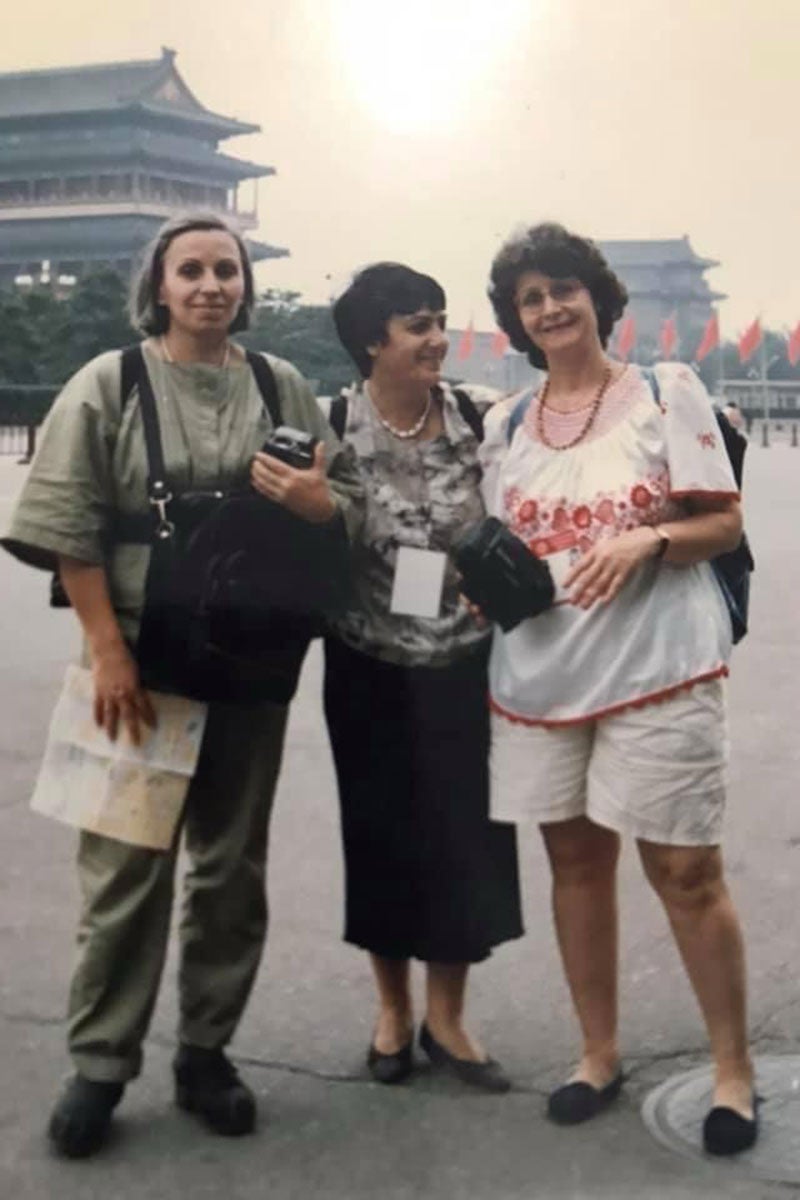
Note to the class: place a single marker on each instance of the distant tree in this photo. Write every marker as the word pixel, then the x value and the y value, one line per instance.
pixel 32 331
pixel 302 333
pixel 96 319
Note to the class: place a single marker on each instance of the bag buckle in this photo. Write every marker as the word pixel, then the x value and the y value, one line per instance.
pixel 159 499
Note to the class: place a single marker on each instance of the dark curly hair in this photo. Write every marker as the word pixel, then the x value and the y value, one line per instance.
pixel 375 295
pixel 554 251
pixel 147 314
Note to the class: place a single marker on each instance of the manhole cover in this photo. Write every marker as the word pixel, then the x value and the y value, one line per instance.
pixel 675 1110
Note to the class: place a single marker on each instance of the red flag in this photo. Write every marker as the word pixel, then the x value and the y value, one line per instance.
pixel 668 337
pixel 466 344
pixel 500 344
pixel 626 338
pixel 750 341
pixel 793 347
pixel 710 339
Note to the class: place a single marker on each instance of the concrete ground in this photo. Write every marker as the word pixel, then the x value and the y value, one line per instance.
pixel 326 1128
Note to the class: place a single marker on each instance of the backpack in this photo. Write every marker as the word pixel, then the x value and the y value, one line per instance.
pixel 732 570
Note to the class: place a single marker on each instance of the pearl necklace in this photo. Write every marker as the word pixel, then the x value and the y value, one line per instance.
pixel 403 434
pixel 588 423
pixel 165 351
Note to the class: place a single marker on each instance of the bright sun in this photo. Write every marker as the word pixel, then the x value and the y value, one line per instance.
pixel 415 63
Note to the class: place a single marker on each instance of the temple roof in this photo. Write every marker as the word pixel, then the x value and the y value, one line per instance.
pixel 151 85
pixel 663 252
pixel 122 147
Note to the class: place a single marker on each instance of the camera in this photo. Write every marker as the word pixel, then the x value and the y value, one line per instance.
pixel 501 575
pixel 291 446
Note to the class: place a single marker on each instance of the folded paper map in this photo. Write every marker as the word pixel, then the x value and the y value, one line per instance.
pixel 131 793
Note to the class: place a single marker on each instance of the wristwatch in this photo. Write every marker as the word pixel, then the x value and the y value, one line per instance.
pixel 663 540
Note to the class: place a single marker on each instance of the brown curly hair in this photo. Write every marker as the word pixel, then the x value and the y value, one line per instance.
pixel 552 250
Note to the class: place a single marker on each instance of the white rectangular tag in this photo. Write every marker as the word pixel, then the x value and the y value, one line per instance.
pixel 418 582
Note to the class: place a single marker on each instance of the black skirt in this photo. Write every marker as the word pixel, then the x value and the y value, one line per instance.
pixel 427 875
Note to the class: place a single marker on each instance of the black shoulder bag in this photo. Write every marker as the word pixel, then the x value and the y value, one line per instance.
pixel 237 586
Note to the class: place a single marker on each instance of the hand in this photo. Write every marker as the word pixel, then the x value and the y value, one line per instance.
pixel 118 694
pixel 304 492
pixel 474 611
pixel 601 573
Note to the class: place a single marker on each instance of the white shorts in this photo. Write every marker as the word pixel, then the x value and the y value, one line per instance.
pixel 656 772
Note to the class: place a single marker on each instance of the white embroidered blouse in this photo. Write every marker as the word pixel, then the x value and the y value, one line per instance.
pixel 669 627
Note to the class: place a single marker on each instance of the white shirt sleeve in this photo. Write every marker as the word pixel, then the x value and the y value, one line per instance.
pixel 698 460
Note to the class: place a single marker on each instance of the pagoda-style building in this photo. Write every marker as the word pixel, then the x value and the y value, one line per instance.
pixel 664 278
pixel 94 159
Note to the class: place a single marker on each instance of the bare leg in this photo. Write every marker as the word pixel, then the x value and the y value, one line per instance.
pixel 446 985
pixel 394 1026
pixel 690 884
pixel 583 857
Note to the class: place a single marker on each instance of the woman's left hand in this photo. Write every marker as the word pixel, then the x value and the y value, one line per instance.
pixel 304 492
pixel 601 573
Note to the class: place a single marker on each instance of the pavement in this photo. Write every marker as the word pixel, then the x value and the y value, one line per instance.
pixel 326 1129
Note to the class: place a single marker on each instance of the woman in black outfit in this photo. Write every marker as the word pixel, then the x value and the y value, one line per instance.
pixel 428 876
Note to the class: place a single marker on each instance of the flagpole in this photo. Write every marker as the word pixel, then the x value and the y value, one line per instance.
pixel 721 365
pixel 764 392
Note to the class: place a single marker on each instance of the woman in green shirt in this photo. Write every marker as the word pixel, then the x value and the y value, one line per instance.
pixel 195 289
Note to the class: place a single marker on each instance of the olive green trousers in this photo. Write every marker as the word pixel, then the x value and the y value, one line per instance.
pixel 127 902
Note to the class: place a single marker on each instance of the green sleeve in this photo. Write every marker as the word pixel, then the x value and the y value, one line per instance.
pixel 66 500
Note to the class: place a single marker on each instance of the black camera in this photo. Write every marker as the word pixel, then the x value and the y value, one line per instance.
pixel 291 446
pixel 501 575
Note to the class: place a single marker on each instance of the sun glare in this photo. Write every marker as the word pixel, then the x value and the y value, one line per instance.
pixel 415 64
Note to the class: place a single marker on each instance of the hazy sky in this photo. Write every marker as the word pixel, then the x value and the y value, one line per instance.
pixel 424 130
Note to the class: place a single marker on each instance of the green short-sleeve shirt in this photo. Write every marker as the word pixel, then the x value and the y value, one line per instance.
pixel 91 461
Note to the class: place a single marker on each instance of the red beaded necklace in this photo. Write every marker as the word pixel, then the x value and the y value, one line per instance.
pixel 588 423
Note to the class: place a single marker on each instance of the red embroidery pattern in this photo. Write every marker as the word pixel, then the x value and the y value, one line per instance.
pixel 545 524
pixel 707 440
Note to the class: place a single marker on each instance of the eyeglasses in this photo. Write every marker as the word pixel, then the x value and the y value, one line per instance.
pixel 561 291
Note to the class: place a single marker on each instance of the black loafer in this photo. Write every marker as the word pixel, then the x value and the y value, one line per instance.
pixel 81 1119
pixel 488 1075
pixel 208 1084
pixel 391 1068
pixel 579 1101
pixel 725 1131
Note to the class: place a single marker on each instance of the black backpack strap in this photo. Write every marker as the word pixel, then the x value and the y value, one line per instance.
pixel 267 385
pixel 469 412
pixel 337 415
pixel 131 372
pixel 158 491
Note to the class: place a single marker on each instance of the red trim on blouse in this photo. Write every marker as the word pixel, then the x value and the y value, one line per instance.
pixel 639 702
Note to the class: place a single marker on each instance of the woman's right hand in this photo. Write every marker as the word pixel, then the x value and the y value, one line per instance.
pixel 118 694
pixel 474 611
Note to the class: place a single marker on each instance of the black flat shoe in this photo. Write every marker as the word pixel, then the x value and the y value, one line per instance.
pixel 488 1075
pixel 208 1084
pixel 579 1101
pixel 81 1119
pixel 725 1131
pixel 391 1068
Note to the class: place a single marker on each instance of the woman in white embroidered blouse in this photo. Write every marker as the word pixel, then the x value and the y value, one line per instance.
pixel 608 710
